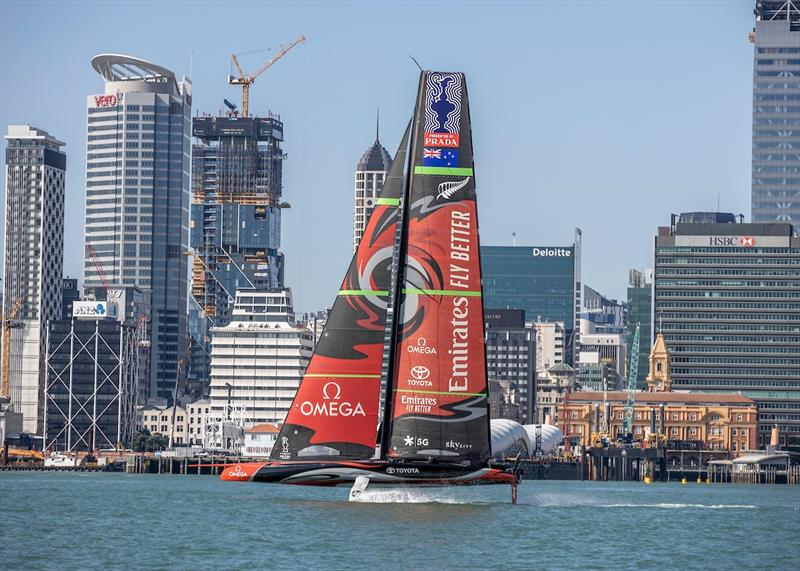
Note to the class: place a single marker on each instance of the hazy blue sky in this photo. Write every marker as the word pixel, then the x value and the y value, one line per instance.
pixel 606 116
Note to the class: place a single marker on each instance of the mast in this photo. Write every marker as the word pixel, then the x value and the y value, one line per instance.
pixel 398 277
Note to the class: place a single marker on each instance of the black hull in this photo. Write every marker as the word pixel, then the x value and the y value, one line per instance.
pixel 379 473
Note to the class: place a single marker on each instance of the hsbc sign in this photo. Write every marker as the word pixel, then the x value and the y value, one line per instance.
pixel 105 100
pixel 734 241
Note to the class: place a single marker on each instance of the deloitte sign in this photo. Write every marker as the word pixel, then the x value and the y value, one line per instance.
pixel 553 252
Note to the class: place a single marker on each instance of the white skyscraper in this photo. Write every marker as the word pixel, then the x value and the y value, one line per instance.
pixel 33 261
pixel 372 170
pixel 137 199
pixel 258 359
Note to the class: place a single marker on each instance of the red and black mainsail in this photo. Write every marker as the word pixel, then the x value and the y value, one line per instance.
pixel 419 254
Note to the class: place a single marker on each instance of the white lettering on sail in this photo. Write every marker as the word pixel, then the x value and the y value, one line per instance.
pixel 459 355
pixel 330 406
pixel 460 225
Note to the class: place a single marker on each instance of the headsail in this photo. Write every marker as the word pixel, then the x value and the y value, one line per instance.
pixel 335 412
pixel 439 404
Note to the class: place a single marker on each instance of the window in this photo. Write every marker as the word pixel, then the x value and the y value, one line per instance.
pixel 734 432
pixel 739 418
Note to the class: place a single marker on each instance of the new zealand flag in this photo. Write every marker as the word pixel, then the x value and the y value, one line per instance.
pixel 440 157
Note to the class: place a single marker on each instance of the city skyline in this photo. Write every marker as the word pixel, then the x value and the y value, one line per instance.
pixel 665 128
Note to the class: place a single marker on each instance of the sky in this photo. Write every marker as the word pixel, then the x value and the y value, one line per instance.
pixel 607 116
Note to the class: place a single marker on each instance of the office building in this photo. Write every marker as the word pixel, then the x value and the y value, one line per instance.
pixel 543 281
pixel 776 111
pixel 92 377
pixel 640 306
pixel 727 301
pixel 605 315
pixel 69 294
pixel 371 171
pixel 510 357
pixel 33 260
pixel 137 200
pixel 257 360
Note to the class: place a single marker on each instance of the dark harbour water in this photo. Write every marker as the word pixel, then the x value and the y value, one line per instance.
pixel 116 521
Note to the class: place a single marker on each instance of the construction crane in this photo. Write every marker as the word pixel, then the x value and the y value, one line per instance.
pixel 97 265
pixel 9 322
pixel 633 373
pixel 247 80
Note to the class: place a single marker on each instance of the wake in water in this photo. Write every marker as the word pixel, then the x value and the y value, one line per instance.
pixel 451 495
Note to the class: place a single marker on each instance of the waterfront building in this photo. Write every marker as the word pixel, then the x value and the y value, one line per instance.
pixel 510 356
pixel 259 440
pixel 371 171
pixel 33 260
pixel 713 421
pixel 776 111
pixel 92 377
pixel 543 281
pixel 69 294
pixel 137 200
pixel 197 412
pixel 640 306
pixel 258 359
pixel 727 300
pixel 172 422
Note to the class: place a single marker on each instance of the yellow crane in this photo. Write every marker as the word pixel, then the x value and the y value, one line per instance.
pixel 8 324
pixel 247 80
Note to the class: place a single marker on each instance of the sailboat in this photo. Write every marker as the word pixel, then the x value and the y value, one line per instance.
pixel 396 391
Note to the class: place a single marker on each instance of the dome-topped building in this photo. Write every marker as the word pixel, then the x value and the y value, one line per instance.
pixel 372 170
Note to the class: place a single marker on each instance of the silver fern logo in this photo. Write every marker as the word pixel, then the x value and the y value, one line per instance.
pixel 448 189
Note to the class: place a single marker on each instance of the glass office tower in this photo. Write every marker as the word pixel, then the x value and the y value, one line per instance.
pixel 776 112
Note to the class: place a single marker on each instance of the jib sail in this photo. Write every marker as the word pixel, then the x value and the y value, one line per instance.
pixel 335 412
pixel 439 405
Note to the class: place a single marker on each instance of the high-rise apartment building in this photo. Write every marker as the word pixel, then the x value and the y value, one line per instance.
pixel 727 300
pixel 776 111
pixel 137 200
pixel 33 261
pixel 544 281
pixel 511 355
pixel 237 183
pixel 371 171
pixel 258 359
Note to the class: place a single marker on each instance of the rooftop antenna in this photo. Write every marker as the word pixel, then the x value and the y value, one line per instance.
pixel 378 126
pixel 416 62
pixel 717 201
pixel 513 238
pixel 191 57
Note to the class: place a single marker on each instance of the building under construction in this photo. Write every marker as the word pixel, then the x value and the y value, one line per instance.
pixel 236 217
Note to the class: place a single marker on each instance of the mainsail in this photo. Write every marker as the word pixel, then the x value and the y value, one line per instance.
pixel 438 402
pixel 335 412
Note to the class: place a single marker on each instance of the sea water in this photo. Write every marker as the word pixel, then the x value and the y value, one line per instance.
pixel 118 521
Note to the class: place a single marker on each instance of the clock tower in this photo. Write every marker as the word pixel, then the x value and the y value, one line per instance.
pixel 658 379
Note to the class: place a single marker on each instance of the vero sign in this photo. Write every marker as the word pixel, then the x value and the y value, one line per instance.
pixel 105 100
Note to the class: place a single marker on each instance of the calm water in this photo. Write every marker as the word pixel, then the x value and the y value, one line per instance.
pixel 76 521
